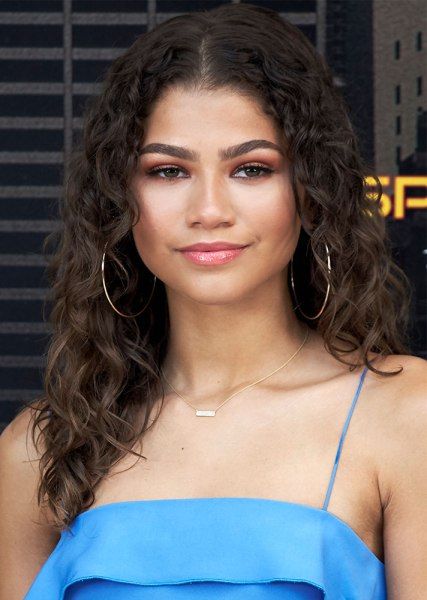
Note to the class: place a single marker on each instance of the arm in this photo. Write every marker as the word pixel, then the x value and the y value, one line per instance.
pixel 404 483
pixel 26 537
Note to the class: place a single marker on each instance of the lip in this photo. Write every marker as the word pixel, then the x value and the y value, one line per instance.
pixel 211 246
pixel 214 256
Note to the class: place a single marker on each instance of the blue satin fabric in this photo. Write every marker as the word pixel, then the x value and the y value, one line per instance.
pixel 233 548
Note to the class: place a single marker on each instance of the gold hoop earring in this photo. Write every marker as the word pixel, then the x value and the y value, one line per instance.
pixel 108 297
pixel 327 291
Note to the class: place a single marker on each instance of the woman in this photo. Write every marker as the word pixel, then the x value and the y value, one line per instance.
pixel 221 258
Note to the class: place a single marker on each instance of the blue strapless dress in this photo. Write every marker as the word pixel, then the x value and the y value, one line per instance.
pixel 233 548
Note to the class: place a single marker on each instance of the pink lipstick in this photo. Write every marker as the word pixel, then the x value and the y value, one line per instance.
pixel 212 253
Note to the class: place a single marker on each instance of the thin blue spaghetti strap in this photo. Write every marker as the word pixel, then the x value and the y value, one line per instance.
pixel 341 442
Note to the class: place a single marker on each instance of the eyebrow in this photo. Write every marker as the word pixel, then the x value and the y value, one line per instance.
pixel 224 154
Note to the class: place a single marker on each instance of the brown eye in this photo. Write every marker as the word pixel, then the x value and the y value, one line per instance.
pixel 169 172
pixel 254 171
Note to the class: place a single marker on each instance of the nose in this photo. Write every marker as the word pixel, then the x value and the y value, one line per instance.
pixel 210 204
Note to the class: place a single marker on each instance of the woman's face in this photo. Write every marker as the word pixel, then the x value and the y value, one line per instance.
pixel 201 187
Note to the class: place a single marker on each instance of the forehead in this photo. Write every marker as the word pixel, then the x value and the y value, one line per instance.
pixel 186 112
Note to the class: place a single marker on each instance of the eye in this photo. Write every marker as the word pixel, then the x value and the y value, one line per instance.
pixel 169 170
pixel 254 167
pixel 253 171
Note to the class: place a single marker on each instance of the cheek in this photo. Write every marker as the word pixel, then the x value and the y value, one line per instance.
pixel 149 233
pixel 280 220
pixel 146 235
pixel 276 218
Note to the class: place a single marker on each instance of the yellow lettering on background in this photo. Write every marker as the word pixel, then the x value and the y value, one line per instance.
pixel 400 201
pixel 398 205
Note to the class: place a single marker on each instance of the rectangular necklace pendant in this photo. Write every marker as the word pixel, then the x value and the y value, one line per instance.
pixel 205 413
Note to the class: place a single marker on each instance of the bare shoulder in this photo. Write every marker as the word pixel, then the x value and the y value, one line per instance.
pixel 17 430
pixel 17 450
pixel 401 399
pixel 401 448
pixel 26 532
pixel 19 461
pixel 404 392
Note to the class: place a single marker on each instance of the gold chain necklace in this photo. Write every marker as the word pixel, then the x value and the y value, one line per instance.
pixel 211 413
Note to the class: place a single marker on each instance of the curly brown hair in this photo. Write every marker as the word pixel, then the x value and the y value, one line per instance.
pixel 103 370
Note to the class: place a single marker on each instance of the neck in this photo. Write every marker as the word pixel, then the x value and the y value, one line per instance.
pixel 217 348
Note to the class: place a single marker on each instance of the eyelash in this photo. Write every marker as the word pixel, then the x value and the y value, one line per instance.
pixel 156 170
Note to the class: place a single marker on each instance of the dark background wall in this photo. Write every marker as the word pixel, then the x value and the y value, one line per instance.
pixel 52 54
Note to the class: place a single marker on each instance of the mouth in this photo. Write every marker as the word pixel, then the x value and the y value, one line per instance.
pixel 213 257
pixel 211 246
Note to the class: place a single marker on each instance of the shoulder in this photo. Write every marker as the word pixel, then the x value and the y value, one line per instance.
pixel 14 438
pixel 401 446
pixel 19 460
pixel 16 435
pixel 395 420
pixel 414 368
pixel 404 392
pixel 26 532
pixel 401 398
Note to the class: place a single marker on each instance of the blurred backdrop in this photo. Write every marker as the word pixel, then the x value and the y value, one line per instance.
pixel 53 54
